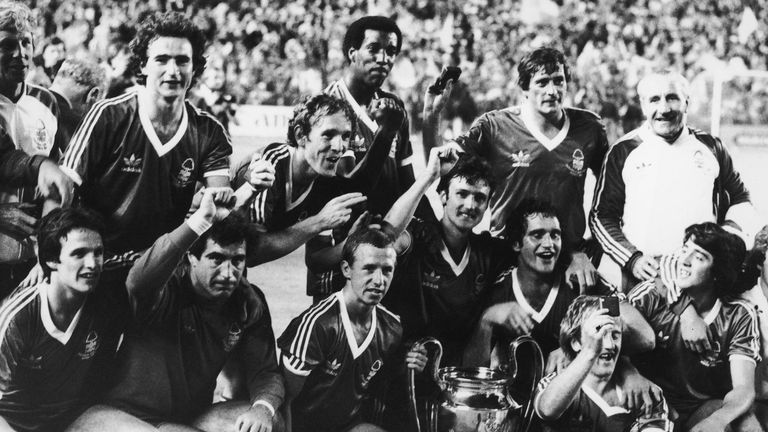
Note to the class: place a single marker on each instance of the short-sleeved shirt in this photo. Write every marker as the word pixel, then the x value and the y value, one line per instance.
pixel 758 298
pixel 437 296
pixel 141 186
pixel 320 344
pixel 589 412
pixel 48 375
pixel 689 378
pixel 31 124
pixel 526 164
pixel 546 328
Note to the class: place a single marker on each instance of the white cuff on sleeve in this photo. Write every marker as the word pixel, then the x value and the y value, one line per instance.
pixel 198 224
pixel 265 404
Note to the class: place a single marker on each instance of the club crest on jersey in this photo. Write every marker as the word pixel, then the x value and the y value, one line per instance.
pixel 332 367
pixel 374 368
pixel 41 137
pixel 184 177
pixel 576 166
pixel 711 358
pixel 698 159
pixel 479 283
pixel 521 159
pixel 233 337
pixel 32 362
pixel 132 164
pixel 90 346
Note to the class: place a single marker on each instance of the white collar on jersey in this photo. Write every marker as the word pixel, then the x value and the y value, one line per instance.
pixel 456 268
pixel 289 203
pixel 712 314
pixel 149 130
pixel 550 144
pixel 537 316
pixel 359 111
pixel 45 317
pixel 350 332
pixel 601 403
pixel 647 134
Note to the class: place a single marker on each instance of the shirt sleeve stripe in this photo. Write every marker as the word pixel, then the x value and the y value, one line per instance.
pixel 300 342
pixel 14 305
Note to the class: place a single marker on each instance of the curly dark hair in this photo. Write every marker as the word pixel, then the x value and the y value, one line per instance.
pixel 546 58
pixel 517 223
pixel 306 114
pixel 728 253
pixel 56 225
pixel 234 229
pixel 166 24
pixel 470 168
pixel 353 38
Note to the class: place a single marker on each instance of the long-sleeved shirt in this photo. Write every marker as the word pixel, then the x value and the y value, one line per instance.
pixel 178 345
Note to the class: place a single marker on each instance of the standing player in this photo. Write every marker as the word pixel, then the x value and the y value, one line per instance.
pixel 539 150
pixel 306 196
pixel 338 355
pixel 136 158
pixel 187 292
pixel 586 396
pixel 28 115
pixel 57 337
pixel 661 178
pixel 713 390
pixel 371 44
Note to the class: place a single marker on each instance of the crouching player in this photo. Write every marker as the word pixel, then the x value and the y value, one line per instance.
pixel 188 293
pixel 713 390
pixel 585 396
pixel 339 354
pixel 57 337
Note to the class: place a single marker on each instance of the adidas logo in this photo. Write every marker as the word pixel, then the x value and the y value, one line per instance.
pixel 132 164
pixel 332 367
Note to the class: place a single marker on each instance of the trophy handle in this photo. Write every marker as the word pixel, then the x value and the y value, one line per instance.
pixel 538 373
pixel 433 367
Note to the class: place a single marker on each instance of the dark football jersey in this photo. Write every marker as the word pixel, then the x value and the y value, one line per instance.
pixel 436 296
pixel 47 375
pixel 546 328
pixel 141 186
pixel 689 378
pixel 320 344
pixel 526 164
pixel 589 412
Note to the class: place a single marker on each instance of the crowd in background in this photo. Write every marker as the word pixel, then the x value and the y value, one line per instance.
pixel 272 52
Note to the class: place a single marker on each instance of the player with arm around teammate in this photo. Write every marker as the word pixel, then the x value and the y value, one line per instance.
pixel 586 396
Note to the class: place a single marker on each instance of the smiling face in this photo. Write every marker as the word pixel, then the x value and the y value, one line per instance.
pixel 169 68
pixel 665 105
pixel 464 203
pixel 15 56
pixel 540 246
pixel 80 261
pixel 605 364
pixel 369 274
pixel 373 61
pixel 694 268
pixel 327 141
pixel 546 91
pixel 217 272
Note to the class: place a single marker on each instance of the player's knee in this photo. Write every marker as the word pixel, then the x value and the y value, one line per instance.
pixel 103 417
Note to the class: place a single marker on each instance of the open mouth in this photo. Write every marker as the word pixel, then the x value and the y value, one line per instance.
pixel 683 273
pixel 607 356
pixel 89 276
pixel 547 255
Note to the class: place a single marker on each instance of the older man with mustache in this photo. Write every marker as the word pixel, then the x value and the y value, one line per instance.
pixel 661 178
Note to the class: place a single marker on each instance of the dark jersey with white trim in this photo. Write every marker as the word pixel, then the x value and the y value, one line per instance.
pixel 142 187
pixel 342 376
pixel 526 164
pixel 589 412
pixel 438 297
pixel 689 378
pixel 48 376
pixel 546 328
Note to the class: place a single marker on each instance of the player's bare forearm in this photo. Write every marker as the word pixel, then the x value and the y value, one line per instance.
pixel 637 334
pixel 430 133
pixel 478 350
pixel 325 259
pixel 560 393
pixel 403 209
pixel 741 397
pixel 217 181
pixel 273 245
pixel 4 426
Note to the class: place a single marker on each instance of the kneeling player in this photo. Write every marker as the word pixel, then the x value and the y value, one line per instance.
pixel 585 396
pixel 187 293
pixel 56 337
pixel 338 354
pixel 716 388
